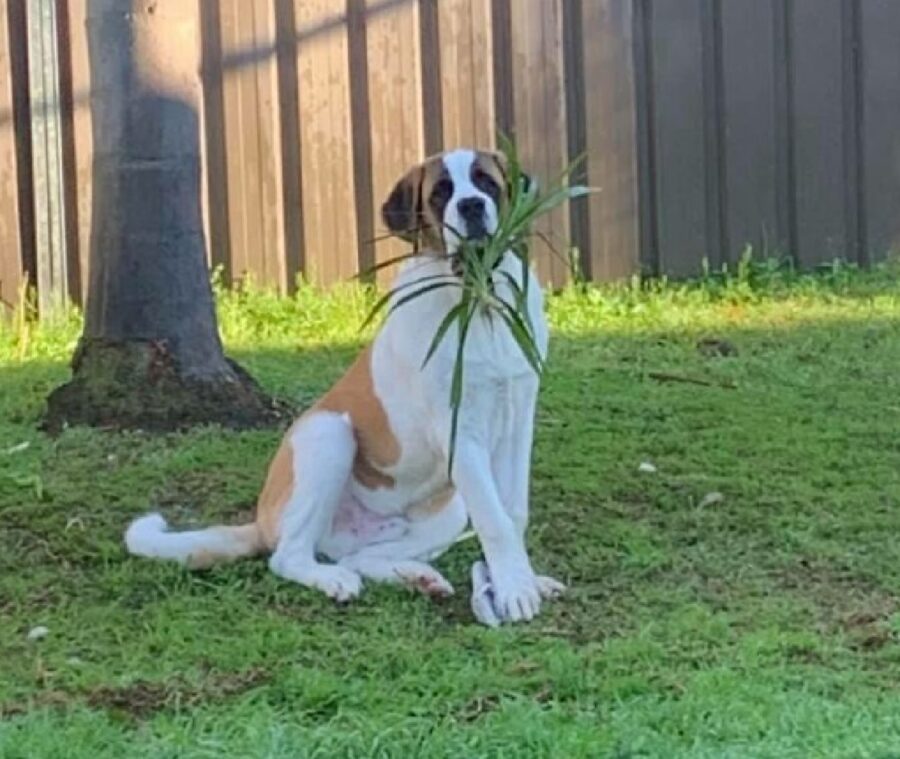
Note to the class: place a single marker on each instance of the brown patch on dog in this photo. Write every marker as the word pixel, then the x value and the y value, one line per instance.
pixel 432 237
pixel 401 212
pixel 244 540
pixel 407 212
pixel 493 164
pixel 377 446
pixel 276 491
pixel 431 505
pixel 367 475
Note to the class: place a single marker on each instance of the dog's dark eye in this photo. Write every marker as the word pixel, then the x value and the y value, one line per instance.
pixel 486 183
pixel 441 193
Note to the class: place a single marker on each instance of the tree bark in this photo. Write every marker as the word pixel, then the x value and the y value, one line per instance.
pixel 150 355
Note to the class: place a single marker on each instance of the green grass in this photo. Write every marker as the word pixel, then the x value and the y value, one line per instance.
pixel 766 624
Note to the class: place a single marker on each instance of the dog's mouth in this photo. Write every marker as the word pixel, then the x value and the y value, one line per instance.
pixel 476 231
pixel 474 247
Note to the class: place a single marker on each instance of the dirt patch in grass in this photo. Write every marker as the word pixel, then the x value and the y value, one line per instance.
pixel 845 602
pixel 142 699
pixel 478 707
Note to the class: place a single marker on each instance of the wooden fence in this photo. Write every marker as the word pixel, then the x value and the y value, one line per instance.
pixel 708 125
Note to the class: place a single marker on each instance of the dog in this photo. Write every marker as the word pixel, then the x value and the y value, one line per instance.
pixel 361 479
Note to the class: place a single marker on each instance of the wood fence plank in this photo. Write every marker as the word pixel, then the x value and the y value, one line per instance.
pixel 748 64
pixel 396 110
pixel 467 73
pixel 11 232
pixel 69 167
pixel 610 138
pixel 358 15
pixel 881 120
pixel 252 143
pixel 234 31
pixel 215 155
pixel 269 214
pixel 326 140
pixel 47 157
pixel 576 126
pixel 539 97
pixel 430 57
pixel 680 147
pixel 290 158
pixel 818 138
pixel 450 41
pixel 645 124
pixel 501 48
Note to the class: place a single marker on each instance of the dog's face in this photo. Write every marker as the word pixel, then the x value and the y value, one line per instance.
pixel 449 197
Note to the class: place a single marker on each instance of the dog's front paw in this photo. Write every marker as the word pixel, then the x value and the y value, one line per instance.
pixel 334 581
pixel 424 578
pixel 504 594
pixel 516 594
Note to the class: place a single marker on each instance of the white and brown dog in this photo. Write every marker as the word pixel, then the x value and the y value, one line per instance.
pixel 361 478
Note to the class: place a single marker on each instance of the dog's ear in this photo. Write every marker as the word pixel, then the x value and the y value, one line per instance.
pixel 402 211
pixel 503 165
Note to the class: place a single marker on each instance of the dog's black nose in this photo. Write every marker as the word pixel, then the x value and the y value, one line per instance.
pixel 471 209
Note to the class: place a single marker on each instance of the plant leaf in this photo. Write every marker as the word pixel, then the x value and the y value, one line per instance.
pixel 456 384
pixel 418 293
pixel 521 294
pixel 383 264
pixel 521 334
pixel 452 315
pixel 579 191
pixel 385 299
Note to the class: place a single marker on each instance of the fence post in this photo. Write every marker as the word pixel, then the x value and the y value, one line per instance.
pixel 47 156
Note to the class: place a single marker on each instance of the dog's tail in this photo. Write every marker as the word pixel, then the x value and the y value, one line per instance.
pixel 196 549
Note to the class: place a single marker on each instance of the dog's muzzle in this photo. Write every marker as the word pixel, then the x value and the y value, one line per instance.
pixel 472 211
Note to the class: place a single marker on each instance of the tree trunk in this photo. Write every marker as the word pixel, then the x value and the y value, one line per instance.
pixel 150 356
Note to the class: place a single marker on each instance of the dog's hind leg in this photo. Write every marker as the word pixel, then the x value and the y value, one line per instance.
pixel 323 447
pixel 404 561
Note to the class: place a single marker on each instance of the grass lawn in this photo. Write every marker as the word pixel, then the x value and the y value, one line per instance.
pixel 760 621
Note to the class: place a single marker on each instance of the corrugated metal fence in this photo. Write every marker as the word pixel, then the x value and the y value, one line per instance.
pixel 707 124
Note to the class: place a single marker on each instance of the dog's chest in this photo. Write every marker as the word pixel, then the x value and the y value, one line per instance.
pixel 492 356
pixel 498 388
pixel 495 378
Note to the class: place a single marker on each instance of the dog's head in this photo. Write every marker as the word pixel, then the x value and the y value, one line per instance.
pixel 449 197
